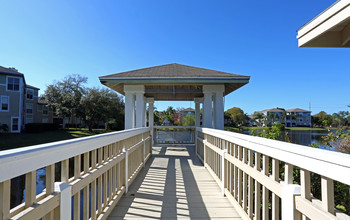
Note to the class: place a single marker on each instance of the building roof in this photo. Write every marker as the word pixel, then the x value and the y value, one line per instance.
pixel 10 71
pixel 188 110
pixel 32 87
pixel 297 110
pixel 174 81
pixel 272 110
pixel 172 70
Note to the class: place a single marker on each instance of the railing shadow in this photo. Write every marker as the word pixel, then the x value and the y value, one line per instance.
pixel 166 188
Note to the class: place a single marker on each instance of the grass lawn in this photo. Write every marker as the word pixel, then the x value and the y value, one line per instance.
pixel 10 141
pixel 305 129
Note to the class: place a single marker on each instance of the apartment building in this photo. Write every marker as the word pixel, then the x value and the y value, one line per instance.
pixel 19 101
pixel 298 117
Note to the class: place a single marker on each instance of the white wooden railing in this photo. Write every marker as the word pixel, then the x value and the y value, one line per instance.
pixel 104 166
pixel 256 174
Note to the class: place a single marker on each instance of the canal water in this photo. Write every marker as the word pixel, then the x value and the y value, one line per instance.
pixel 18 184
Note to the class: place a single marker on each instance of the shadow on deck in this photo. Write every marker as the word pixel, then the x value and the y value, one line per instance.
pixel 174 184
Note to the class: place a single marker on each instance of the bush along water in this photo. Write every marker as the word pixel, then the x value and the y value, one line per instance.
pixel 339 140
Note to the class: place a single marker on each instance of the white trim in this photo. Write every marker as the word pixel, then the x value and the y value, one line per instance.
pixel 19 86
pixel 326 163
pixel 8 103
pixel 2 84
pixel 18 124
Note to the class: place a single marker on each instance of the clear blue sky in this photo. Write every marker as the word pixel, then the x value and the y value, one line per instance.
pixel 47 40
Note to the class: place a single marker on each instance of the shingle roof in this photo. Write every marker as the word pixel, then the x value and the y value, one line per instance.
pixel 32 87
pixel 297 110
pixel 10 71
pixel 272 110
pixel 188 110
pixel 171 71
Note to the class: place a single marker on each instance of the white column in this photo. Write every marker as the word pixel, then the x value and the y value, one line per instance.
pixel 140 110
pixel 129 110
pixel 208 110
pixel 133 114
pixel 198 112
pixel 219 109
pixel 150 112
pixel 145 113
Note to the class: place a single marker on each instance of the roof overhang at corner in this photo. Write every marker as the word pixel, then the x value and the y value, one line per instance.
pixel 331 28
pixel 194 85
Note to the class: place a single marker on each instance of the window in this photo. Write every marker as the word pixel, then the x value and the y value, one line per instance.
pixel 29 108
pixel 29 120
pixel 45 110
pixel 30 93
pixel 13 84
pixel 45 120
pixel 40 108
pixel 4 103
pixel 15 124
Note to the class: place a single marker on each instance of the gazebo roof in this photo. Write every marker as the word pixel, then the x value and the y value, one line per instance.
pixel 185 81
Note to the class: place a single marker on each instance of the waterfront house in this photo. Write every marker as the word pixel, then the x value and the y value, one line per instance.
pixel 273 115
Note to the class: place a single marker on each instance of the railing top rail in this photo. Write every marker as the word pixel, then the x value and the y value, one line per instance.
pixel 173 126
pixel 333 165
pixel 19 161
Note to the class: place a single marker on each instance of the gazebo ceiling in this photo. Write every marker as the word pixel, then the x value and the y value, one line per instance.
pixel 174 81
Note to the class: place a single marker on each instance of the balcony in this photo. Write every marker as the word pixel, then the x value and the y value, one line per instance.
pixel 122 175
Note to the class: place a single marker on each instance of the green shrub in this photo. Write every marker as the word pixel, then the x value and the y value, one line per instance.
pixel 40 127
pixel 4 128
pixel 112 126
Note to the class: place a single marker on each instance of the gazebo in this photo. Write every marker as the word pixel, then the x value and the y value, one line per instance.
pixel 174 82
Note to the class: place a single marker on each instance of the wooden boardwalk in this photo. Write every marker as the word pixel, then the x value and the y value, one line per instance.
pixel 174 185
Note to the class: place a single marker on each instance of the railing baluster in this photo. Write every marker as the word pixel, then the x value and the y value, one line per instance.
pixel 86 162
pixel 245 181
pixel 30 186
pixel 257 211
pixel 240 178
pixel 65 171
pixel 327 188
pixel 5 196
pixel 86 203
pixel 265 190
pixel 305 186
pixel 236 174
pixel 50 187
pixel 93 200
pixel 77 174
pixel 99 195
pixel 250 186
pixel 275 198
pixel 288 173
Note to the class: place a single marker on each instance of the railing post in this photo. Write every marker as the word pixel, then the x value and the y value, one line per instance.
pixel 65 190
pixel 223 171
pixel 289 212
pixel 204 152
pixel 126 152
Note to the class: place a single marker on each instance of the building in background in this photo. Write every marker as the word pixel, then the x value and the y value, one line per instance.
pixel 297 117
pixel 19 102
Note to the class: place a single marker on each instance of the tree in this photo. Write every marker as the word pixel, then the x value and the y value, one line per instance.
pixel 322 119
pixel 64 96
pixel 102 105
pixel 259 118
pixel 188 120
pixel 237 116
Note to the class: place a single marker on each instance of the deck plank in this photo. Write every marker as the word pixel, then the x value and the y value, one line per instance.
pixel 174 185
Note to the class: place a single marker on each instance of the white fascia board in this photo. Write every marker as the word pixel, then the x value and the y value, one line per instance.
pixel 169 78
pixel 323 17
